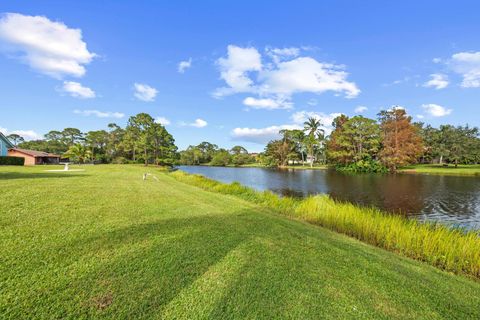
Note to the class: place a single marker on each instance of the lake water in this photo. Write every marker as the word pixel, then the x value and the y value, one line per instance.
pixel 447 199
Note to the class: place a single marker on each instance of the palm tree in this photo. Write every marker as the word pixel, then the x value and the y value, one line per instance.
pixel 78 152
pixel 311 127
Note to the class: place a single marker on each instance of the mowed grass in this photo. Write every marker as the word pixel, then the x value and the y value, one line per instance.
pixel 105 244
pixel 468 170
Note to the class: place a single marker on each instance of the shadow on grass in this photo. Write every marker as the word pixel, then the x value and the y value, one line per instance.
pixel 37 175
pixel 291 270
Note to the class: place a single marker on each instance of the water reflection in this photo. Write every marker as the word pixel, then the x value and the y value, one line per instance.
pixel 448 199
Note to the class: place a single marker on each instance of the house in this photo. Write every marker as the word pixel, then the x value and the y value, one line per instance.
pixel 5 144
pixel 33 157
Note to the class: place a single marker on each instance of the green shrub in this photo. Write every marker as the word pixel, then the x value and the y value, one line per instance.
pixel 11 161
pixel 363 166
pixel 221 158
pixel 450 249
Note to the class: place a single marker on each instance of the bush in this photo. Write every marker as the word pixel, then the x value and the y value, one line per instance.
pixel 221 159
pixel 363 166
pixel 12 161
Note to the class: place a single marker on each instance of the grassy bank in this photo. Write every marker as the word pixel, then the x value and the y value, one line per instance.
pixel 446 248
pixel 103 243
pixel 466 170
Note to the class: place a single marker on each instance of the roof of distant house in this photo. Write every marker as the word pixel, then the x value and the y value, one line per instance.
pixel 34 153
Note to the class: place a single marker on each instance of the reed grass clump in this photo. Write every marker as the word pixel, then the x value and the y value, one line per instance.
pixel 451 249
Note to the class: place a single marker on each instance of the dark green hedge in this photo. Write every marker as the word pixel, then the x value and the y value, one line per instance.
pixel 12 161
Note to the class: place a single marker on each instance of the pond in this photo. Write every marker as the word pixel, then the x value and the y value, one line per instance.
pixel 448 199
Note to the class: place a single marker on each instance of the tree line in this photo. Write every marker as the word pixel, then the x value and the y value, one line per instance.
pixel 211 154
pixel 141 141
pixel 360 144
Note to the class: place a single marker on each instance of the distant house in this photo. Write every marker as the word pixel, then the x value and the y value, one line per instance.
pixel 33 157
pixel 5 144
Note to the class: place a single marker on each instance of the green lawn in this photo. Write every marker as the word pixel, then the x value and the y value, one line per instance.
pixel 105 244
pixel 470 170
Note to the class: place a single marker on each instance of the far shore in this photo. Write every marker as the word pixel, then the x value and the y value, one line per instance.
pixel 461 170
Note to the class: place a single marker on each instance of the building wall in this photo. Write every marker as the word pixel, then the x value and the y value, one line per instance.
pixel 3 147
pixel 29 160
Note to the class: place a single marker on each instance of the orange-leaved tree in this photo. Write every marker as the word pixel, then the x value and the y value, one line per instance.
pixel 401 141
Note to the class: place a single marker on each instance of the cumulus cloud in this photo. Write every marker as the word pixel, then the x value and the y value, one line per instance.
pixel 162 120
pixel 279 54
pixel 76 90
pixel 360 109
pixel 437 81
pixel 184 65
pixel 198 123
pixel 467 64
pixel 47 46
pixel 234 70
pixel 26 134
pixel 267 103
pixel 420 116
pixel 436 110
pixel 287 74
pixel 99 114
pixel 144 92
pixel 305 74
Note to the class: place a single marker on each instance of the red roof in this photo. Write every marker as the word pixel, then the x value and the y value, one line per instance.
pixel 36 154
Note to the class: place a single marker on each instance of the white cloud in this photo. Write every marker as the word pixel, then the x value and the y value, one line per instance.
pixel 76 90
pixel 360 109
pixel 420 116
pixel 99 114
pixel 312 102
pixel 235 67
pixel 49 47
pixel 261 135
pixel 436 110
pixel 396 107
pixel 184 65
pixel 437 81
pixel 162 120
pixel 468 65
pixel 436 60
pixel 26 134
pixel 282 78
pixel 279 54
pixel 267 103
pixel 305 74
pixel 198 123
pixel 144 92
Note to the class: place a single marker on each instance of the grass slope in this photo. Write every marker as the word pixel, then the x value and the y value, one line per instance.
pixel 461 170
pixel 105 244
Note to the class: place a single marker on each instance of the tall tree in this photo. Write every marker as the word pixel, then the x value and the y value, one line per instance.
pixel 114 143
pixel 97 141
pixel 71 136
pixel 401 141
pixel 236 150
pixel 335 151
pixel 312 128
pixel 15 139
pixel 142 124
pixel 358 140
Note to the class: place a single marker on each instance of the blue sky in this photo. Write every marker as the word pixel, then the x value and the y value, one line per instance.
pixel 249 68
